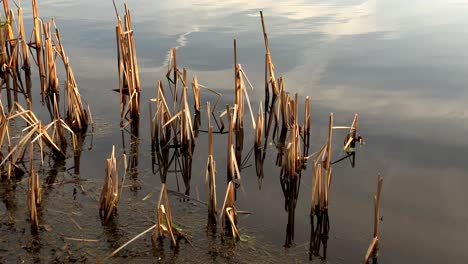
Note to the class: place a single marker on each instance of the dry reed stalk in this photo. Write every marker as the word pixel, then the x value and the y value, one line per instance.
pixel 53 86
pixel 26 66
pixel 4 61
pixel 4 134
pixel 12 68
pixel 271 81
pixel 187 140
pixel 161 116
pixel 210 175
pixel 164 223
pixel 232 162
pixel 320 224
pixel 34 193
pixel 260 123
pixel 77 117
pixel 228 217
pixel 328 167
pixel 39 49
pixel 110 193
pixel 291 165
pixel 374 245
pixel 259 155
pixel 318 198
pixel 196 94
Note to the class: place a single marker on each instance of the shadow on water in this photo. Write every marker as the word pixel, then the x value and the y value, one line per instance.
pixel 133 136
pixel 319 226
pixel 77 150
pixel 8 195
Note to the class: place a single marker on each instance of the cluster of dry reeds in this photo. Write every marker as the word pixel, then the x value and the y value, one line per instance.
pixel 15 76
pixel 46 54
pixel 281 117
pixel 322 167
pixel 127 64
pixel 173 137
pixel 14 57
pixel 111 192
pixel 173 134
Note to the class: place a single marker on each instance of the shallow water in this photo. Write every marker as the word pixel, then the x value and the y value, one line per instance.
pixel 401 65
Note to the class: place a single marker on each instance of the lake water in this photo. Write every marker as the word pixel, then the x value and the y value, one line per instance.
pixel 401 65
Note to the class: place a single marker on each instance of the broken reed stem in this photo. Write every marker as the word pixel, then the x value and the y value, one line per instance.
pixel 11 65
pixel 374 245
pixel 38 47
pixel 377 206
pixel 210 176
pixel 228 216
pixel 110 191
pixel 232 162
pixel 25 54
pixel 269 63
pixel 259 128
pixel 4 61
pixel 329 158
pixel 196 94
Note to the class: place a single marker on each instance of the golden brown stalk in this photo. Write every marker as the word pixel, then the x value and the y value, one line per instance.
pixel 210 175
pixel 329 155
pixel 196 94
pixel 25 55
pixel 374 245
pixel 38 47
pixel 4 61
pixel 77 117
pixel 129 80
pixel 229 210
pixel 260 122
pixel 110 191
pixel 269 63
pixel 12 54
